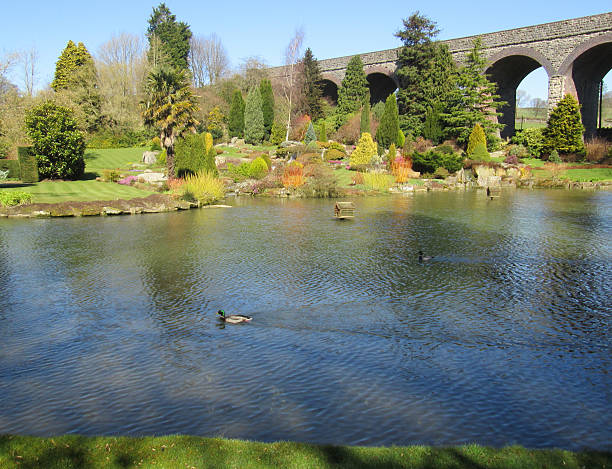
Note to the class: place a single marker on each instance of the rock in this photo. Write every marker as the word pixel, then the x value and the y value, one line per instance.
pixel 152 178
pixel 234 140
pixel 150 157
pixel 240 142
pixel 111 211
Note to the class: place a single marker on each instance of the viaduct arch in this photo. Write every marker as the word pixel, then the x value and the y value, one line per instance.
pixel 576 54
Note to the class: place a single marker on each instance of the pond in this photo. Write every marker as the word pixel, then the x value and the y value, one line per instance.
pixel 108 325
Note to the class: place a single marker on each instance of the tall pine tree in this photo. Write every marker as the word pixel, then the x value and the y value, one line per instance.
pixel 168 39
pixel 254 129
pixel 236 115
pixel 425 71
pixel 388 130
pixel 365 118
pixel 312 80
pixel 353 91
pixel 267 105
pixel 475 100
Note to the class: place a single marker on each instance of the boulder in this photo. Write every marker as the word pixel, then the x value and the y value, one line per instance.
pixel 152 178
pixel 149 157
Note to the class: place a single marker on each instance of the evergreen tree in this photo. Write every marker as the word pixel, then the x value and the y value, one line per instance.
pixel 425 71
pixel 353 91
pixel 366 149
pixel 432 127
pixel 267 105
pixel 254 129
pixel 475 100
pixel 388 130
pixel 310 136
pixel 312 80
pixel 323 132
pixel 365 118
pixel 564 129
pixel 76 85
pixel 477 136
pixel 236 115
pixel 168 39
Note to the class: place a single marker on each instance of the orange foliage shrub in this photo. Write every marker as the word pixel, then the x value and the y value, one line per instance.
pixel 293 175
pixel 401 168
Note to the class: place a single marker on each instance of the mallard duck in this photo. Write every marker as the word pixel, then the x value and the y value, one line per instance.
pixel 424 258
pixel 233 318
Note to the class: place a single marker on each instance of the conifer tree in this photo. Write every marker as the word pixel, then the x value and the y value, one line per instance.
pixel 365 118
pixel 564 129
pixel 236 115
pixel 366 149
pixel 267 105
pixel 425 71
pixel 312 80
pixel 388 130
pixel 310 136
pixel 254 129
pixel 353 91
pixel 477 136
pixel 475 100
pixel 432 127
pixel 168 39
pixel 323 132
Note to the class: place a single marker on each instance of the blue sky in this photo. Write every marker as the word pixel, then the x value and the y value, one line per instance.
pixel 246 28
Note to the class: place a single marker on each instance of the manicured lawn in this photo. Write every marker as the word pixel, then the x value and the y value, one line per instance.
pixel 112 158
pixel 81 191
pixel 588 174
pixel 191 452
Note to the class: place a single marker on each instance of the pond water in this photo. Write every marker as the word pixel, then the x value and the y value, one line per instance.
pixel 108 325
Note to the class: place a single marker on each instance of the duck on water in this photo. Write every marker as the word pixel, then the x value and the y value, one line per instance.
pixel 233 318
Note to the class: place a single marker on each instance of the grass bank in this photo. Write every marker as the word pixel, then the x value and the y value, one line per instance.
pixel 195 452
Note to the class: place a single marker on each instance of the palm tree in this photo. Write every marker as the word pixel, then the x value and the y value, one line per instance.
pixel 170 106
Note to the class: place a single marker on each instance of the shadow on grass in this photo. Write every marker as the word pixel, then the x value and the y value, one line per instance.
pixel 15 184
pixel 89 176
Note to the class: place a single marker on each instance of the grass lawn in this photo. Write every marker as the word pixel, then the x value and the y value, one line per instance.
pixel 191 452
pixel 112 158
pixel 88 190
pixel 77 191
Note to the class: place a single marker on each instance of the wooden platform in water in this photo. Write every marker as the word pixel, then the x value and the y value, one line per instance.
pixel 344 210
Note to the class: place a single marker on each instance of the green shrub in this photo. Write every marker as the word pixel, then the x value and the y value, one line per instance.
pixel 440 173
pixel 194 153
pixel 401 139
pixel 532 140
pixel 366 149
pixel 313 146
pixel 56 141
pixel 336 146
pixel 121 138
pixel 554 157
pixel 480 153
pixel 5 147
pixel 28 166
pixel 204 187
pixel 12 166
pixel 255 169
pixel 10 198
pixel 110 175
pixel 161 158
pixel 333 154
pixel 391 154
pixel 430 161
pixel 476 137
pixel 323 131
pixel 321 181
pixel 155 144
pixel 517 151
pixel 254 129
pixel 564 130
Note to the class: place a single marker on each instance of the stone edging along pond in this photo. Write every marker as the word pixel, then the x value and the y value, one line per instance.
pixel 155 203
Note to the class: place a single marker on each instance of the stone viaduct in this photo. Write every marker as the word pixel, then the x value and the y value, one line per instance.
pixel 576 54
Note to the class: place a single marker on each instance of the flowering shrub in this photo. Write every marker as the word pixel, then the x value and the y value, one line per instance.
pixel 128 181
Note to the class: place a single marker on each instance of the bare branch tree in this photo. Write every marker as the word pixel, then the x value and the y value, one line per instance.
pixel 6 64
pixel 29 61
pixel 293 53
pixel 253 70
pixel 540 105
pixel 522 98
pixel 207 59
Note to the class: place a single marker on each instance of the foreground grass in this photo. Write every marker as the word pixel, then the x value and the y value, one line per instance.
pixel 77 191
pixel 194 452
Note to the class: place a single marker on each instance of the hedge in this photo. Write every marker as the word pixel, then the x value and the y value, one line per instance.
pixel 28 166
